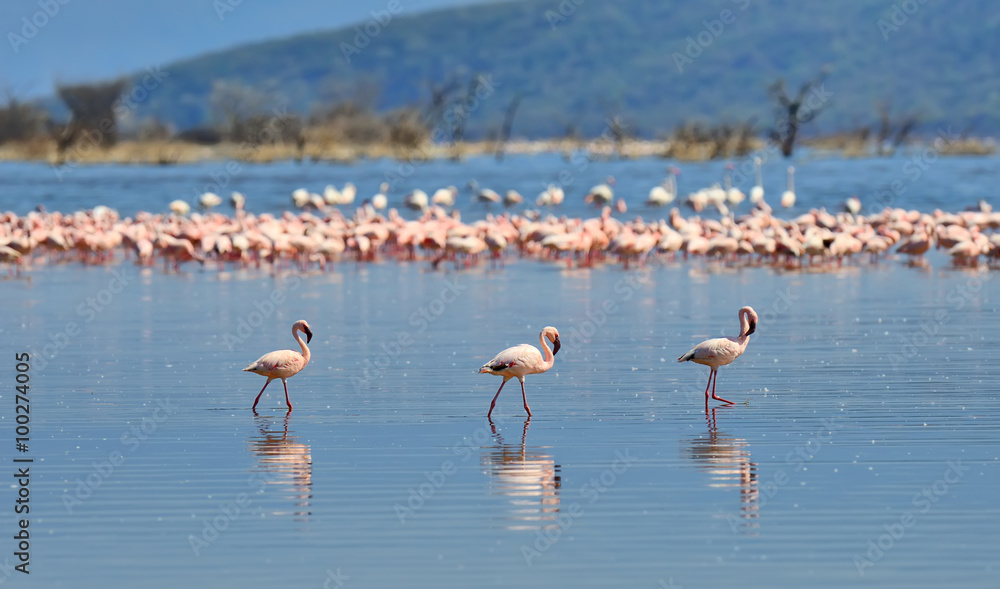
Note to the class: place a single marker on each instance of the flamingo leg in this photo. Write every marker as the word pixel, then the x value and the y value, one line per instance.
pixel 289 403
pixel 525 399
pixel 493 404
pixel 708 384
pixel 713 390
pixel 254 408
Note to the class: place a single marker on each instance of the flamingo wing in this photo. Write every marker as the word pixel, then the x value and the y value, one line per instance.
pixel 718 351
pixel 522 355
pixel 278 364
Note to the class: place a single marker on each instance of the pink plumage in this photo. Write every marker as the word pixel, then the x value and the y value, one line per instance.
pixel 283 364
pixel 722 350
pixel 520 361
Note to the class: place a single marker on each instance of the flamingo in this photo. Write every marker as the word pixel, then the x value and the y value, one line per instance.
pixel 788 196
pixel 300 198
pixel 445 196
pixel 379 201
pixel 511 198
pixel 416 200
pixel 238 200
pixel 757 192
pixel 733 195
pixel 283 364
pixel 666 192
pixel 179 207
pixel 209 200
pixel 519 361
pixel 602 194
pixel 720 351
pixel 853 205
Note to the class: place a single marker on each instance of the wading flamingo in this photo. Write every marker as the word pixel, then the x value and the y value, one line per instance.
pixel 757 192
pixel 788 196
pixel 519 361
pixel 283 364
pixel 723 350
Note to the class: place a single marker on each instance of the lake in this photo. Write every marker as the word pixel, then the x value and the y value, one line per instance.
pixel 861 450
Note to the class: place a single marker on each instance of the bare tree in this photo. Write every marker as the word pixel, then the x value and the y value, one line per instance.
pixel 744 137
pixel 20 121
pixel 239 107
pixel 616 127
pixel 892 134
pixel 789 112
pixel 92 113
pixel 462 108
pixel 407 130
pixel 508 124
pixel 441 97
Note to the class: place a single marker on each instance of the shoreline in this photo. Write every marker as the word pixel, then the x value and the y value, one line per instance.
pixel 167 153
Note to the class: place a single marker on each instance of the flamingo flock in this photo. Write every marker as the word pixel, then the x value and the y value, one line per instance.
pixel 308 239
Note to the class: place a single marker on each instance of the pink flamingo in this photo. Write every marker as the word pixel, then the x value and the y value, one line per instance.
pixel 723 350
pixel 283 364
pixel 522 360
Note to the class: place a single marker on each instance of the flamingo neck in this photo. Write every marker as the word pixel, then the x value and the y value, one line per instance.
pixel 302 345
pixel 549 357
pixel 744 325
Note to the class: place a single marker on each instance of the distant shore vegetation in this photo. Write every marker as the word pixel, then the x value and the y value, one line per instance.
pixel 101 129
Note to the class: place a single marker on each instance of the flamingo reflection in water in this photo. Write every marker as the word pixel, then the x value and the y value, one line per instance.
pixel 727 459
pixel 285 462
pixel 528 476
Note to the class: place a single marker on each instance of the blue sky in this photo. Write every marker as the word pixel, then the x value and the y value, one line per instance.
pixel 80 42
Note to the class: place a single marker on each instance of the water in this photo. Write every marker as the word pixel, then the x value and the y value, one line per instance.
pixel 919 179
pixel 861 450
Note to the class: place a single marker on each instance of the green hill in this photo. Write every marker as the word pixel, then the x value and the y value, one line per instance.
pixel 581 60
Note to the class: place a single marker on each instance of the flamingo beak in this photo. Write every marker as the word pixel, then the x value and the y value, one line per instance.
pixel 309 334
pixel 556 345
pixel 753 327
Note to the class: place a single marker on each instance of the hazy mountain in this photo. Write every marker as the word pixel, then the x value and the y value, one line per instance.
pixel 653 62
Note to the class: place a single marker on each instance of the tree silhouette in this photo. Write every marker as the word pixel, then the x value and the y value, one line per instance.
pixel 791 113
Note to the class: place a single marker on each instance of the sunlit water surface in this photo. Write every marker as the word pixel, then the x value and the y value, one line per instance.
pixel 862 449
